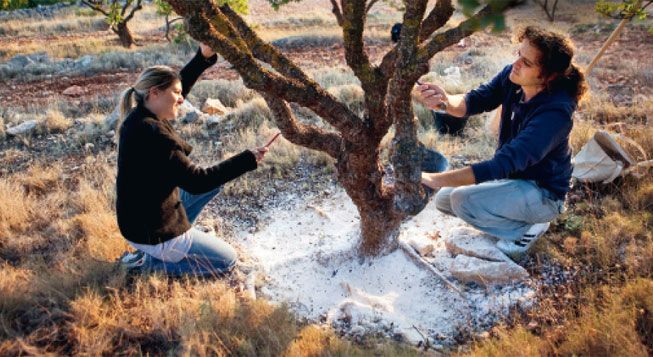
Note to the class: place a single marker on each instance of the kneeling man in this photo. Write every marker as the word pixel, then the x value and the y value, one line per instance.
pixel 514 195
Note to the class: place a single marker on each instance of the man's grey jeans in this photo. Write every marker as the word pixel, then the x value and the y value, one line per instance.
pixel 504 209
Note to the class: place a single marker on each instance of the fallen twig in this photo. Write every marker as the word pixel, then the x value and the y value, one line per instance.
pixel 411 253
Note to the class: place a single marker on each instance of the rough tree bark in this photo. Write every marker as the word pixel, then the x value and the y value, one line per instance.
pixel 353 140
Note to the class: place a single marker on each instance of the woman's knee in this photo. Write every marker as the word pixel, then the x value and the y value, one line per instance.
pixel 224 257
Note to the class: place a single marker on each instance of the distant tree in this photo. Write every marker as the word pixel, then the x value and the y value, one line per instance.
pixel 352 139
pixel 164 9
pixel 117 15
pixel 549 8
pixel 625 10
pixel 13 4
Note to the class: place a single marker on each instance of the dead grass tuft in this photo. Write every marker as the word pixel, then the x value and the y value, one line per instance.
pixel 55 122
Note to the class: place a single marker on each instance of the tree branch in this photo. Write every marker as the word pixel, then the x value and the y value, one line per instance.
pixel 124 7
pixel 335 9
pixel 301 134
pixel 409 197
pixel 263 50
pixel 271 55
pixel 438 17
pixel 203 17
pixel 95 7
pixel 445 39
pixel 137 7
pixel 352 30
pixel 369 5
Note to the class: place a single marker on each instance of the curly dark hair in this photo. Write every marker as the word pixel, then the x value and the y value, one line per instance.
pixel 556 54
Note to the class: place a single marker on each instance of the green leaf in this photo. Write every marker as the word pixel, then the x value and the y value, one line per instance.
pixel 469 6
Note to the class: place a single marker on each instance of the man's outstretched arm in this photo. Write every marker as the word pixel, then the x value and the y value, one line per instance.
pixel 453 178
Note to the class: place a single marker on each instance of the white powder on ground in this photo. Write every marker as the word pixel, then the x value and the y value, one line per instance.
pixel 307 254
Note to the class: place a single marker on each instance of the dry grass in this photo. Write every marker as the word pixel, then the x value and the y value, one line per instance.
pixel 61 293
pixel 55 122
pixel 612 322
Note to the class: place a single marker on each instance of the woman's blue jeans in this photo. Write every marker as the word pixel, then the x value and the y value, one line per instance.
pixel 208 255
pixel 504 209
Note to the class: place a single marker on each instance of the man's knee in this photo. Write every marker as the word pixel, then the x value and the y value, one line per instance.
pixel 442 200
pixel 461 204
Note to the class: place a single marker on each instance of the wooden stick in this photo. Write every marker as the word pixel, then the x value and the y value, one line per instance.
pixel 608 42
pixel 423 262
pixel 273 139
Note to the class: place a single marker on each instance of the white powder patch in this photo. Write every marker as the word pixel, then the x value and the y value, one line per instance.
pixel 307 254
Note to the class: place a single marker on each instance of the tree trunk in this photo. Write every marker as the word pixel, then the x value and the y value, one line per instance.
pixel 361 174
pixel 125 35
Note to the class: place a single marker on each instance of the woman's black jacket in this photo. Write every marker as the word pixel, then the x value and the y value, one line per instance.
pixel 153 164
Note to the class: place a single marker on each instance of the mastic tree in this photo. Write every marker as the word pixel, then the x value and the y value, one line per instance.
pixel 117 15
pixel 352 140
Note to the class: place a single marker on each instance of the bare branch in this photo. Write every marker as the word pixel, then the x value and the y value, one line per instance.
pixel 369 5
pixel 352 30
pixel 438 17
pixel 301 134
pixel 124 8
pixel 445 39
pixel 137 7
pixel 269 54
pixel 409 197
pixel 95 7
pixel 335 9
pixel 263 50
pixel 204 17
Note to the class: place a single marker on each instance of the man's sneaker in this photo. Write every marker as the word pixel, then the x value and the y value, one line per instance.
pixel 515 249
pixel 133 261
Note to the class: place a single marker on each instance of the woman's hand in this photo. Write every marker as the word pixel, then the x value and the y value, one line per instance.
pixel 432 96
pixel 259 153
pixel 207 52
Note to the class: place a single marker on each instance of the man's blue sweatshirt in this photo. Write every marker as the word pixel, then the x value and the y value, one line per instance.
pixel 533 136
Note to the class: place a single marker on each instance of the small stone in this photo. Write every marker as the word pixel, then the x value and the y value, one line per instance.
pixel 214 107
pixel 73 91
pixel 470 242
pixel 421 246
pixel 486 273
pixel 188 113
pixel 213 120
pixel 24 128
pixel 191 117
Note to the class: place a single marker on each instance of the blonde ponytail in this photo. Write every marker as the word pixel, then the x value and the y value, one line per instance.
pixel 158 76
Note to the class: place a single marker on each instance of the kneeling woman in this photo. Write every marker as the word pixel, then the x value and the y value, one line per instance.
pixel 160 192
